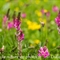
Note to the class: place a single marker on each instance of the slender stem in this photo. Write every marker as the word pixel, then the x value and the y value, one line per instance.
pixel 47 28
pixel 19 48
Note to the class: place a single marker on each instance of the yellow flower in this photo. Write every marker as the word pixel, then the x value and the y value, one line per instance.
pixel 45 11
pixel 21 3
pixel 37 1
pixel 45 0
pixel 7 0
pixel 32 45
pixel 33 25
pixel 29 22
pixel 54 44
pixel 37 41
pixel 38 13
pixel 42 20
pixel 16 9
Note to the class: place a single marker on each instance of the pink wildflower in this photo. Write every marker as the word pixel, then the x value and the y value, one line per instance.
pixel 10 25
pixel 55 8
pixel 20 36
pixel 43 52
pixel 16 24
pixel 57 19
pixel 42 11
pixel 5 18
pixel 48 14
pixel 23 15
pixel 45 12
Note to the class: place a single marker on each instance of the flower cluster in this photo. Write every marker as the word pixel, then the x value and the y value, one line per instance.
pixel 16 23
pixel 44 11
pixel 33 25
pixel 23 15
pixel 6 18
pixel 57 20
pixel 43 51
pixel 20 35
pixel 55 8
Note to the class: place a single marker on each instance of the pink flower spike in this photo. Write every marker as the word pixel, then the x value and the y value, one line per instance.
pixel 48 14
pixel 57 19
pixel 20 36
pixel 10 25
pixel 23 15
pixel 5 18
pixel 43 52
pixel 42 10
pixel 55 8
pixel 39 54
pixel 16 24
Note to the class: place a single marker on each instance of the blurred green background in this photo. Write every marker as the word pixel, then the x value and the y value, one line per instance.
pixel 35 34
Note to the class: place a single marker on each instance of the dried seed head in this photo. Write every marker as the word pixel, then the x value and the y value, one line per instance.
pixel 19 15
pixel 14 15
pixel 8 13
